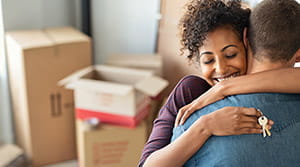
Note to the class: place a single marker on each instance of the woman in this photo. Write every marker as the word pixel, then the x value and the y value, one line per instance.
pixel 212 33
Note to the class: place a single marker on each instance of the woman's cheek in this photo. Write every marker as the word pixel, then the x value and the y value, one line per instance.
pixel 207 72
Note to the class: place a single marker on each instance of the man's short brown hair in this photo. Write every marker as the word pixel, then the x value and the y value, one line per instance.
pixel 274 30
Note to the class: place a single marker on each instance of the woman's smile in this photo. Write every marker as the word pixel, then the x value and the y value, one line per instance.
pixel 222 56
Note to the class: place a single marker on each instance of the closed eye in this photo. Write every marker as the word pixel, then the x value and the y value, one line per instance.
pixel 231 56
pixel 208 61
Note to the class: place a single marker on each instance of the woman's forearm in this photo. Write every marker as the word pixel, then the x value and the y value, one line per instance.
pixel 286 80
pixel 178 152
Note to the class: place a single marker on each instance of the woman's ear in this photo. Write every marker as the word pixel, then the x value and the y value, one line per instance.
pixel 245 39
pixel 297 54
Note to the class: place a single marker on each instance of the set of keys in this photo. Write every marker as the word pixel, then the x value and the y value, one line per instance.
pixel 263 121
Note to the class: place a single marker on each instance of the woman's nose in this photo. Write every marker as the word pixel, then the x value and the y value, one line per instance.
pixel 221 67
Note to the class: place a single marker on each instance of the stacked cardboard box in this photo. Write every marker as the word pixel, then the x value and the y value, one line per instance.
pixel 109 145
pixel 151 62
pixel 113 94
pixel 43 112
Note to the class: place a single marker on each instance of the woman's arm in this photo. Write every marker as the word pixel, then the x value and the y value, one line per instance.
pixel 187 90
pixel 223 122
pixel 178 152
pixel 160 152
pixel 285 80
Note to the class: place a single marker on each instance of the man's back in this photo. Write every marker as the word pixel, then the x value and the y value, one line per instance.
pixel 281 149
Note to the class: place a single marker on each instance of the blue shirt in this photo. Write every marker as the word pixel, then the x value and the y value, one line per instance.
pixel 281 149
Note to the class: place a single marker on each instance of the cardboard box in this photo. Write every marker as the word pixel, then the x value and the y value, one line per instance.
pixel 12 156
pixel 175 66
pixel 151 62
pixel 110 146
pixel 113 90
pixel 43 112
pixel 143 111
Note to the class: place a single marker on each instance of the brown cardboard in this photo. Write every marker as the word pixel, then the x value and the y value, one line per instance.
pixel 110 146
pixel 151 62
pixel 12 155
pixel 174 65
pixel 111 89
pixel 154 110
pixel 43 112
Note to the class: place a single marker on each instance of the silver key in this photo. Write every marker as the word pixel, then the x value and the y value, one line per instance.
pixel 263 120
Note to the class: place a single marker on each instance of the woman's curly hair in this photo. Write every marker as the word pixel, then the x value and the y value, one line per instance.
pixel 203 16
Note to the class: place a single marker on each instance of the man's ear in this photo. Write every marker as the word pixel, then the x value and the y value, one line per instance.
pixel 245 39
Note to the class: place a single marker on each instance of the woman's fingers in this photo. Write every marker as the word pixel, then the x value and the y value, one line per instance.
pixel 246 118
pixel 179 115
pixel 250 111
pixel 270 122
pixel 186 114
pixel 233 120
pixel 250 131
pixel 249 125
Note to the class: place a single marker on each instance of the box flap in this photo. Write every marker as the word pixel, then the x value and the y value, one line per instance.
pixel 117 69
pixel 9 153
pixel 28 39
pixel 75 76
pixel 136 60
pixel 61 35
pixel 100 86
pixel 152 85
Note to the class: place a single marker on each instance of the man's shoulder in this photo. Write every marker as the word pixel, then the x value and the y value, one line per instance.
pixel 253 100
pixel 263 101
pixel 264 97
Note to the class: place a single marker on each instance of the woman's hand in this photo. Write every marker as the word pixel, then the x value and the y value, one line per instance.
pixel 234 121
pixel 212 95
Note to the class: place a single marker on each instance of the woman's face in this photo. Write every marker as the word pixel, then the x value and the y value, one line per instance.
pixel 222 56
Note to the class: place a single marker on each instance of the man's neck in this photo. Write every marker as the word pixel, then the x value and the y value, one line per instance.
pixel 265 65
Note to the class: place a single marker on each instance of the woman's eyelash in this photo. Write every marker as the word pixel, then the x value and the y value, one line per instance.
pixel 208 61
pixel 212 60
pixel 231 56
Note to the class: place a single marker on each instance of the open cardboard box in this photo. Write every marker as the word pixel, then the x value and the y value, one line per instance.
pixel 109 92
pixel 151 62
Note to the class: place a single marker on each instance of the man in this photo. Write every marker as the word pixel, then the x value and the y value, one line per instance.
pixel 274 41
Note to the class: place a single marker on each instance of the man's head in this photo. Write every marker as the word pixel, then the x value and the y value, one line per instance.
pixel 274 31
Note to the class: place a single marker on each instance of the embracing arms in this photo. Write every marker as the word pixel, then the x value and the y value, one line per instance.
pixel 285 80
pixel 226 121
pixel 222 122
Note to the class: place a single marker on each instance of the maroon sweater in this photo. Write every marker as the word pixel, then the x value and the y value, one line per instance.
pixel 188 89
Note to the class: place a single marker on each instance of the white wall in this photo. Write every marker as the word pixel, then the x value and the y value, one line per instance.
pixel 124 26
pixel 34 14
pixel 6 134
